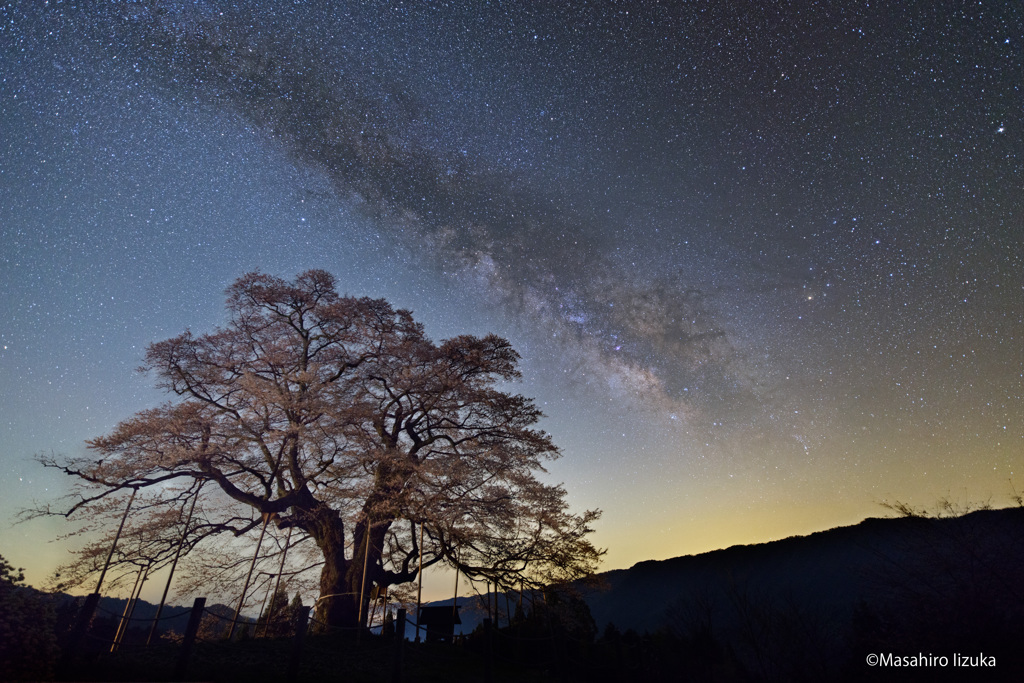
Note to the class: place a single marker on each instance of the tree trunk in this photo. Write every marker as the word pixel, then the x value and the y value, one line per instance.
pixel 336 606
pixel 379 514
pixel 375 574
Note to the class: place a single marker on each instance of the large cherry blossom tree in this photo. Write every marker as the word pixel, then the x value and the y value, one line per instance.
pixel 337 418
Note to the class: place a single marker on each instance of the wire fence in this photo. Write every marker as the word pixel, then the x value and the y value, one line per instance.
pixel 306 644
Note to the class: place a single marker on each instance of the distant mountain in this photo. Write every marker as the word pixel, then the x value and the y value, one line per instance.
pixel 814 607
pixel 830 571
pixel 110 610
pixel 828 574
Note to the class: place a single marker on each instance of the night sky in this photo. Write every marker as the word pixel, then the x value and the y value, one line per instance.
pixel 763 261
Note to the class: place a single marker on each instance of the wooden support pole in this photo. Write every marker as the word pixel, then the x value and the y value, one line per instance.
pixel 124 614
pixel 117 536
pixel 129 609
pixel 174 565
pixel 419 587
pixel 277 584
pixel 245 588
pixel 455 600
pixel 366 558
pixel 259 619
pixel 194 619
pixel 138 598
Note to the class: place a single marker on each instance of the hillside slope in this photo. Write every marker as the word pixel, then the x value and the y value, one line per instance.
pixel 877 559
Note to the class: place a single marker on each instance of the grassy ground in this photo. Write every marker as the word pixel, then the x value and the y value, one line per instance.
pixel 323 659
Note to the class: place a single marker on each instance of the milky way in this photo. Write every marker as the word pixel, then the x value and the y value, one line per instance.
pixel 776 249
pixel 641 337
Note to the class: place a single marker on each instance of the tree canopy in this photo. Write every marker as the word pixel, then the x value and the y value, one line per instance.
pixel 338 418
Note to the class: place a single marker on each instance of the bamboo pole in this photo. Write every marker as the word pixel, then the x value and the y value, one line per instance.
pixel 245 588
pixel 124 615
pixel 266 623
pixel 174 565
pixel 419 588
pixel 455 600
pixel 366 557
pixel 117 537
pixel 138 598
pixel 280 570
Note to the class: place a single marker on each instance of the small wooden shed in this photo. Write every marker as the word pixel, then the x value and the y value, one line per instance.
pixel 440 621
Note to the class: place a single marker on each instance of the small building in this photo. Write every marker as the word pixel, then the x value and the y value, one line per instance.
pixel 440 621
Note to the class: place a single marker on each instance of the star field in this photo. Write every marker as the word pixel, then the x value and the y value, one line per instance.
pixel 763 265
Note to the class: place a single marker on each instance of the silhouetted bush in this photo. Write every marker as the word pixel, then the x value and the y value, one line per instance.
pixel 28 641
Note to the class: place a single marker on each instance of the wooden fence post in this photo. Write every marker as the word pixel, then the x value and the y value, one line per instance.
pixel 82 621
pixel 189 640
pixel 396 673
pixel 295 660
pixel 489 661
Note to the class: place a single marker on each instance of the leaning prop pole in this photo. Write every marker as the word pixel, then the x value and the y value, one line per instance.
pixel 419 588
pixel 277 584
pixel 138 598
pixel 88 608
pixel 129 609
pixel 174 565
pixel 245 588
pixel 455 598
pixel 117 537
pixel 124 615
pixel 366 557
pixel 266 597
